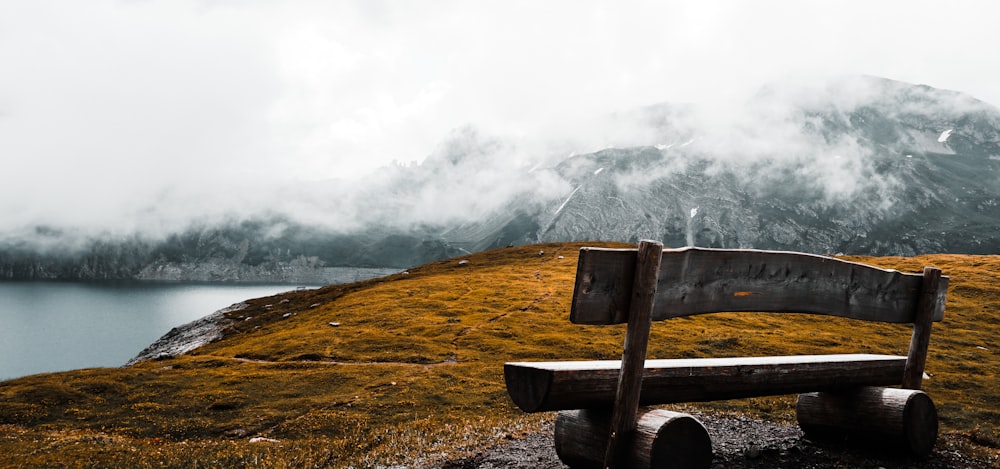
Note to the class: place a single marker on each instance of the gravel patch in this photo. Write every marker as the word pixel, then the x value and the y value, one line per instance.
pixel 737 442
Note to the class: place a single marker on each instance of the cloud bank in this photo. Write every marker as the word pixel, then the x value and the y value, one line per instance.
pixel 117 116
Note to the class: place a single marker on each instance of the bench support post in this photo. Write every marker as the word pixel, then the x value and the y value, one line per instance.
pixel 903 419
pixel 661 439
pixel 623 416
pixel 916 359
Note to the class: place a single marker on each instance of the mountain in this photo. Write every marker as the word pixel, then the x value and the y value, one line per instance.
pixel 866 166
pixel 858 165
pixel 272 249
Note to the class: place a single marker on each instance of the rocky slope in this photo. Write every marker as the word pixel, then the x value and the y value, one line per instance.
pixel 862 165
pixel 907 170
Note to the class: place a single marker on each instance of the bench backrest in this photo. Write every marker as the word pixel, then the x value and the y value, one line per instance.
pixel 697 280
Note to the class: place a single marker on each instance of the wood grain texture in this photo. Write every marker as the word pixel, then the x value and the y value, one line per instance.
pixel 662 439
pixel 898 419
pixel 623 416
pixel 698 280
pixel 927 308
pixel 547 386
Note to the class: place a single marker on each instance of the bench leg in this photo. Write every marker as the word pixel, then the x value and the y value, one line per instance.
pixel 662 439
pixel 903 419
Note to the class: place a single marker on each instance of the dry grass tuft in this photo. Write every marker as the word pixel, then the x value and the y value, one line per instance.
pixel 412 372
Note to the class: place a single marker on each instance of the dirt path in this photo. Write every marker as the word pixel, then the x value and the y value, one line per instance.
pixel 737 442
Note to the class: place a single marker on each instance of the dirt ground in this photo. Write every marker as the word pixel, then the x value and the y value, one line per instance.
pixel 738 442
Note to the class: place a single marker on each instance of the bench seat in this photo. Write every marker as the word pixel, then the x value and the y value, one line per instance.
pixel 564 385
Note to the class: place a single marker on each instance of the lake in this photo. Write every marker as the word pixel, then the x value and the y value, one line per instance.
pixel 58 326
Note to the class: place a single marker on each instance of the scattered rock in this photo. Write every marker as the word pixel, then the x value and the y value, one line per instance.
pixel 286 315
pixel 314 305
pixel 284 301
pixel 260 439
pixel 334 324
pixel 463 262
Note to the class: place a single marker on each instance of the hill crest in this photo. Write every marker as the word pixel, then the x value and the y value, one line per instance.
pixel 402 368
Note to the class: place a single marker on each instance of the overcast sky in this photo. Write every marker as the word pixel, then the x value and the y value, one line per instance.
pixel 103 103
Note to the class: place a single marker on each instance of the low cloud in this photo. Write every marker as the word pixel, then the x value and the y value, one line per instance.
pixel 119 117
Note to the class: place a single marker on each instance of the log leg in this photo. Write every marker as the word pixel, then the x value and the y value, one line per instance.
pixel 902 418
pixel 662 439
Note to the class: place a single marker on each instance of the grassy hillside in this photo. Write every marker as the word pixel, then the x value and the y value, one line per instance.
pixel 412 371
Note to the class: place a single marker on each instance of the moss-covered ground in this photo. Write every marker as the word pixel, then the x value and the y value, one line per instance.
pixel 411 372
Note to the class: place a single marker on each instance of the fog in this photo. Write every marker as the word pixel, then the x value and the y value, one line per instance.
pixel 147 115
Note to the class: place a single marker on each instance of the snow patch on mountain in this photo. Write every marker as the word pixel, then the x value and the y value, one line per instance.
pixel 571 194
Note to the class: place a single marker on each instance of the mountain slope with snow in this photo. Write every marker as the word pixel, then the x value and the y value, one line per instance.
pixel 860 165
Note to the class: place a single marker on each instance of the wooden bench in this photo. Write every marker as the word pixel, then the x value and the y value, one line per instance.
pixel 601 423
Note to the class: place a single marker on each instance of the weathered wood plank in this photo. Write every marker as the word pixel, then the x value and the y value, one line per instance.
pixel 698 280
pixel 897 418
pixel 623 416
pixel 546 386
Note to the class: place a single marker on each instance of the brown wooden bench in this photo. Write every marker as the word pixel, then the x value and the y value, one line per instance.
pixel 601 423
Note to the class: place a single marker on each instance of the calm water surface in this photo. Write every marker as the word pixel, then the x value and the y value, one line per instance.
pixel 58 326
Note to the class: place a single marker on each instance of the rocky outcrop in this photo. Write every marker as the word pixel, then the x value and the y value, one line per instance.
pixel 183 339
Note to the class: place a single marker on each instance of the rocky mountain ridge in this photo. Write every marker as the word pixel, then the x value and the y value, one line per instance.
pixel 863 165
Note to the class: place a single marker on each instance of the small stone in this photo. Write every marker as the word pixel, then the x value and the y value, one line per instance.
pixel 463 262
pixel 260 439
pixel 286 315
pixel 284 301
pixel 314 305
pixel 334 324
pixel 560 257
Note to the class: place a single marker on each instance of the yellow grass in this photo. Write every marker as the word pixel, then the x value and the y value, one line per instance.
pixel 413 372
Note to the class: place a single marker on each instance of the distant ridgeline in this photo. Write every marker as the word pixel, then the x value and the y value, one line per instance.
pixel 865 166
pixel 240 252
